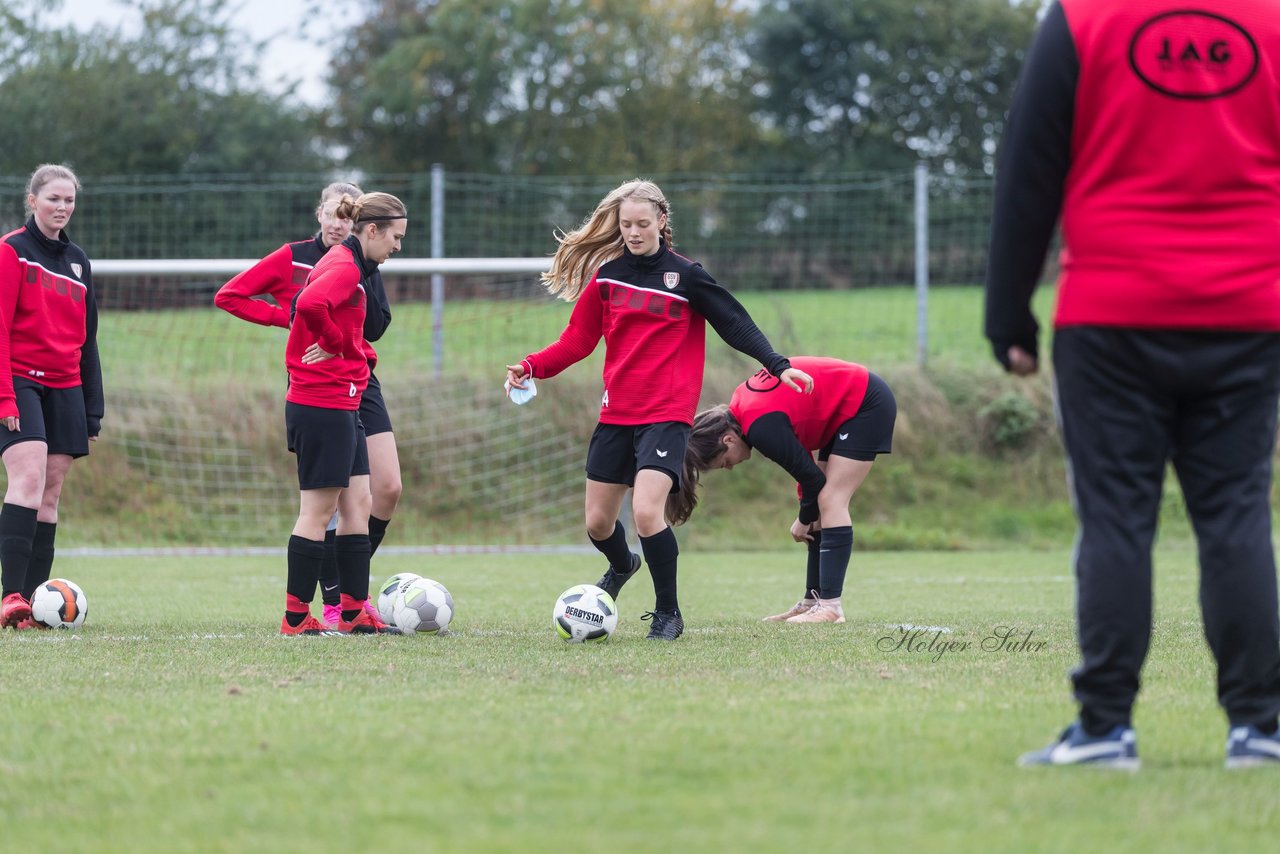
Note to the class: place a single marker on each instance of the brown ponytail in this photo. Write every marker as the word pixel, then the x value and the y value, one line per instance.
pixel 709 427
pixel 378 208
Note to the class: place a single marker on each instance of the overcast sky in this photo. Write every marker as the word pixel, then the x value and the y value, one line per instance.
pixel 289 56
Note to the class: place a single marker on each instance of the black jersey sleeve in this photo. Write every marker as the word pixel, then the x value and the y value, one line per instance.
pixel 90 365
pixel 1035 155
pixel 377 316
pixel 773 436
pixel 732 323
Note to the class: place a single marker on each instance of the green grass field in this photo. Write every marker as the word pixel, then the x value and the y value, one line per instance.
pixel 178 720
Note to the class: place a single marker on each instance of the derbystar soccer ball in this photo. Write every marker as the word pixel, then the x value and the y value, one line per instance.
pixel 59 604
pixel 389 590
pixel 584 614
pixel 423 606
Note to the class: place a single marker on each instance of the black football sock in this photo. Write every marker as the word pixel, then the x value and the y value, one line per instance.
pixel 330 589
pixel 837 547
pixel 377 530
pixel 1095 724
pixel 660 552
pixel 812 576
pixel 17 530
pixel 353 568
pixel 41 563
pixel 305 557
pixel 615 548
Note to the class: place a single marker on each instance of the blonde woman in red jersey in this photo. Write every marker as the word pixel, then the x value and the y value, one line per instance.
pixel 51 400
pixel 848 420
pixel 651 307
pixel 329 363
pixel 280 276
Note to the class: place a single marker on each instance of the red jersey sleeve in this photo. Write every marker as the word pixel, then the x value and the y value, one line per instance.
pixel 578 340
pixel 272 276
pixel 10 282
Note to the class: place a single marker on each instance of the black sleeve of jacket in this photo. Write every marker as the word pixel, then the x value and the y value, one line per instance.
pixel 732 323
pixel 1032 168
pixel 377 315
pixel 773 436
pixel 90 366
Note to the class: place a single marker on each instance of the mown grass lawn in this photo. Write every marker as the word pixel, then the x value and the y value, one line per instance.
pixel 178 719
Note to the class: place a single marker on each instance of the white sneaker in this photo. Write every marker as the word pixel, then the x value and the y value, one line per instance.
pixel 825 611
pixel 801 607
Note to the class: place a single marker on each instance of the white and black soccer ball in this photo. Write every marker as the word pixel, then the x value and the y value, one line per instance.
pixel 585 614
pixel 423 606
pixel 389 590
pixel 59 604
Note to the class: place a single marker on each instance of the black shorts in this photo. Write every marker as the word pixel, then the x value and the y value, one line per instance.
pixel 373 409
pixel 617 452
pixel 329 443
pixel 870 432
pixel 54 416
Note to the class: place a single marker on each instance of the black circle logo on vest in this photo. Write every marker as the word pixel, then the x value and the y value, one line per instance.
pixel 1193 55
pixel 763 381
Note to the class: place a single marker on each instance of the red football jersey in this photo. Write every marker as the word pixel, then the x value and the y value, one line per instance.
pixel 48 318
pixel 1171 206
pixel 838 390
pixel 652 312
pixel 280 275
pixel 330 311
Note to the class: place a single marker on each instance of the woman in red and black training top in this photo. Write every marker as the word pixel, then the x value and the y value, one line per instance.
pixel 649 304
pixel 51 401
pixel 329 363
pixel 280 275
pixel 848 420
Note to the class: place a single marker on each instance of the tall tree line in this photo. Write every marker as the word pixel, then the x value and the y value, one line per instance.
pixel 525 87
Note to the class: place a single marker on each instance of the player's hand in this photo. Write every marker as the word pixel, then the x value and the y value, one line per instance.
pixel 11 423
pixel 1021 362
pixel 516 376
pixel 800 532
pixel 315 353
pixel 797 380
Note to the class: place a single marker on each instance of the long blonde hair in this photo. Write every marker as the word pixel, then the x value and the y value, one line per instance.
pixel 598 240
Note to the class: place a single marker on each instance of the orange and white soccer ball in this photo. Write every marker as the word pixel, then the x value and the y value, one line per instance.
pixel 59 604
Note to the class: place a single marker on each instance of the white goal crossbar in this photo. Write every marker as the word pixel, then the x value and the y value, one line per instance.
pixel 393 266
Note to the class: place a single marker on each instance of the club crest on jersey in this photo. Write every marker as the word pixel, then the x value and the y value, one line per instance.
pixel 671 280
pixel 77 269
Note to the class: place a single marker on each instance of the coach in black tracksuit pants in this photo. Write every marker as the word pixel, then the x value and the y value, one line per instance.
pixel 1155 133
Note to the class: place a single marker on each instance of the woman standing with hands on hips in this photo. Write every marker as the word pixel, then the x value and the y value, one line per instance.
pixel 329 363
pixel 650 305
pixel 51 400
